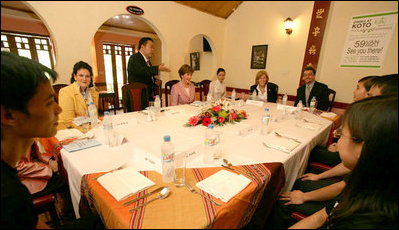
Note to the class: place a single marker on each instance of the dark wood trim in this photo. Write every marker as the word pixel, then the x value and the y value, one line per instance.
pixel 100 83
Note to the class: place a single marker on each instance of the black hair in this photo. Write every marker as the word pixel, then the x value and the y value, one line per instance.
pixel 371 191
pixel 20 78
pixel 367 81
pixel 143 41
pixel 310 68
pixel 82 65
pixel 220 70
pixel 387 83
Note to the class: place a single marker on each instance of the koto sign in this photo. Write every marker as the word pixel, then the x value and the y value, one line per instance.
pixel 368 40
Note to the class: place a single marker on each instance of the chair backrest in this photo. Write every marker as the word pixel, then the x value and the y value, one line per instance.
pixel 168 88
pixel 57 88
pixel 134 96
pixel 204 88
pixel 331 96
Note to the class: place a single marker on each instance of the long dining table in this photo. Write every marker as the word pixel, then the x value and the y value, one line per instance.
pixel 240 143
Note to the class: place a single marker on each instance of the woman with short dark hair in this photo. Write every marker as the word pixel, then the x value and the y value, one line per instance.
pixel 184 91
pixel 217 89
pixel 75 98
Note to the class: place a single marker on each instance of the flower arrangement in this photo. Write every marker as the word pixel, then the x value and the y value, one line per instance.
pixel 219 113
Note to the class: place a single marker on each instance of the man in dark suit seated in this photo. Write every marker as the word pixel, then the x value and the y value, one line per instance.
pixel 139 67
pixel 311 89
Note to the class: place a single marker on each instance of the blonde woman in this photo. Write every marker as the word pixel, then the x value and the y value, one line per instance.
pixel 264 89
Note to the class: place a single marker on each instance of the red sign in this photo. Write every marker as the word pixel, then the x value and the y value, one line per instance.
pixel 135 10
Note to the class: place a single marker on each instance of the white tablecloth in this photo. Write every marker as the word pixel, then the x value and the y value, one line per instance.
pixel 147 137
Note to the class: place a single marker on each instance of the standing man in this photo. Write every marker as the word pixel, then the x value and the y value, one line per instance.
pixel 311 89
pixel 140 69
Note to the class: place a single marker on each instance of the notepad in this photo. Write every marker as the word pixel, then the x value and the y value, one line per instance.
pixel 124 183
pixel 80 145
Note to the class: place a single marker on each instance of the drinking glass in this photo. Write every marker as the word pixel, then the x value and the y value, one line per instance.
pixel 279 100
pixel 180 169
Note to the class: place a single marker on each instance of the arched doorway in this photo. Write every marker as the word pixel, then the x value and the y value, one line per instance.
pixel 113 44
pixel 201 55
pixel 24 33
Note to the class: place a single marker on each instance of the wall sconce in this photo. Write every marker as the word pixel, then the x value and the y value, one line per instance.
pixel 288 25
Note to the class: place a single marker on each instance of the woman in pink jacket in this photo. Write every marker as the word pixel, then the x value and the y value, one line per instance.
pixel 184 91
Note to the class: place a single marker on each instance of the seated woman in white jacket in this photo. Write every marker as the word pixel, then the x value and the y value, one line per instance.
pixel 217 89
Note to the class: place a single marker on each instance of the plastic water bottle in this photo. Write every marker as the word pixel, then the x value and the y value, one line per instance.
pixel 266 119
pixel 285 98
pixel 299 110
pixel 253 96
pixel 210 144
pixel 108 128
pixel 313 104
pixel 157 105
pixel 233 95
pixel 93 114
pixel 168 160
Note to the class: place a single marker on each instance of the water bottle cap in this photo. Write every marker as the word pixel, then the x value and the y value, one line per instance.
pixel 267 109
pixel 91 103
pixel 166 138
pixel 300 101
pixel 157 96
pixel 106 113
pixel 210 126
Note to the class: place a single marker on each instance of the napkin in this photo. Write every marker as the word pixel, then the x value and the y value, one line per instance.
pixel 198 103
pixel 224 184
pixel 330 115
pixel 80 145
pixel 124 183
pixel 280 143
pixel 68 134
pixel 308 125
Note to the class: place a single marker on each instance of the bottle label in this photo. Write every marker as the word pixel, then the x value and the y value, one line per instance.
pixel 167 157
pixel 266 120
pixel 210 142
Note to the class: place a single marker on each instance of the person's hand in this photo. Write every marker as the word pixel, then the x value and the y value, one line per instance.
pixel 310 176
pixel 294 197
pixel 162 67
pixel 333 147
pixel 53 165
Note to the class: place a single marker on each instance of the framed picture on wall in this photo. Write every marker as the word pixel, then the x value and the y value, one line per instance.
pixel 258 57
pixel 195 60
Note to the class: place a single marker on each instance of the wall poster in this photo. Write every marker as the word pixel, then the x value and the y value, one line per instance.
pixel 368 40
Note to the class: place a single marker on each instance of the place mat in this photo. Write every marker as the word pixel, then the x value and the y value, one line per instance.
pixel 182 209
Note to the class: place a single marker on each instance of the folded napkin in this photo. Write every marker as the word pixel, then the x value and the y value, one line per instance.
pixel 224 184
pixel 330 115
pixel 280 143
pixel 80 145
pixel 198 103
pixel 124 183
pixel 68 134
pixel 309 125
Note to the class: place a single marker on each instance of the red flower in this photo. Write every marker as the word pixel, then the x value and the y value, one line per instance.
pixel 216 109
pixel 207 114
pixel 220 119
pixel 206 121
pixel 233 116
pixel 193 120
pixel 244 114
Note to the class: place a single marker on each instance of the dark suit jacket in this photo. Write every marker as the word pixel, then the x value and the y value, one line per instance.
pixel 138 71
pixel 319 90
pixel 271 91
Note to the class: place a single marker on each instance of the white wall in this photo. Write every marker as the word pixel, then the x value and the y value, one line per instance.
pixel 72 26
pixel 344 80
pixel 207 60
pixel 258 23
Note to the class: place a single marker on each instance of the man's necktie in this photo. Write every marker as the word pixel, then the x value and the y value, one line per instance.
pixel 307 93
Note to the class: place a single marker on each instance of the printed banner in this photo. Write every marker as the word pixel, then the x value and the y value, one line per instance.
pixel 368 40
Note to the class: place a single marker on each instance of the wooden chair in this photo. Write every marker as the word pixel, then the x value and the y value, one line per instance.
pixel 134 96
pixel 204 88
pixel 44 204
pixel 57 88
pixel 168 89
pixel 331 92
pixel 158 91
pixel 105 96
